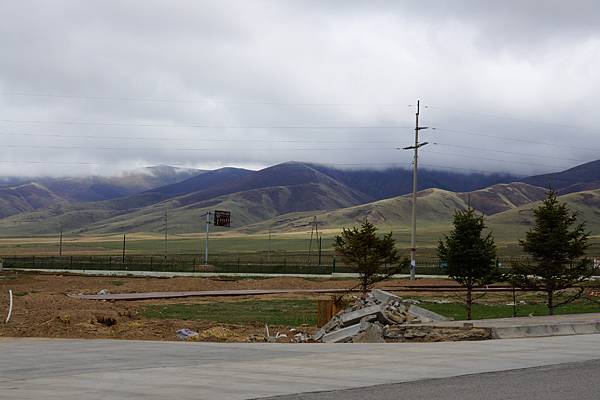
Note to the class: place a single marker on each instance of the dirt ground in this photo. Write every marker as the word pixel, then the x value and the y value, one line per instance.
pixel 42 309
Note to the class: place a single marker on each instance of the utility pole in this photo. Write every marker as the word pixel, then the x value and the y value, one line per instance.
pixel 413 241
pixel 208 214
pixel 60 240
pixel 166 232
pixel 314 229
pixel 269 253
pixel 320 247
pixel 123 249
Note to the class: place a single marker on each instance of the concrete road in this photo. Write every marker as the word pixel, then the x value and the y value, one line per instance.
pixel 579 381
pixel 111 369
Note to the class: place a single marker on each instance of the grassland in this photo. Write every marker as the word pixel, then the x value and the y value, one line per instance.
pixel 194 244
pixel 484 311
pixel 273 312
pixel 303 311
pixel 291 232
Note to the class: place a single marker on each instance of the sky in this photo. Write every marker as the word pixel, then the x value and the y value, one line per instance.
pixel 101 87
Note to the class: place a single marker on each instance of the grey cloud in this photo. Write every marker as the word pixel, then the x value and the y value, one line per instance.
pixel 515 58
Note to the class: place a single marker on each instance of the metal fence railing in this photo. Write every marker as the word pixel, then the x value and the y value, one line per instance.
pixel 257 262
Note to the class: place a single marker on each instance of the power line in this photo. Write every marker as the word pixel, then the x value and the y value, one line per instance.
pixel 205 126
pixel 513 139
pixel 182 165
pixel 494 159
pixel 60 135
pixel 507 116
pixel 237 140
pixel 292 104
pixel 483 171
pixel 505 152
pixel 51 162
pixel 191 148
pixel 370 164
pixel 196 101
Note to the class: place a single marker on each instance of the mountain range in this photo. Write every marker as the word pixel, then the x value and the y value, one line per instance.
pixel 283 197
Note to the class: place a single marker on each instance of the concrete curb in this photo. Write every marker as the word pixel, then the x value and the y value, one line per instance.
pixel 527 331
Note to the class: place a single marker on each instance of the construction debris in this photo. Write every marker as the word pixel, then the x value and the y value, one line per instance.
pixel 369 319
pixel 186 334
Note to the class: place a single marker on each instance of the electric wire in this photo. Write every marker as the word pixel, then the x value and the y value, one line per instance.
pixel 513 139
pixel 191 149
pixel 238 140
pixel 199 101
pixel 511 117
pixel 207 126
pixel 128 137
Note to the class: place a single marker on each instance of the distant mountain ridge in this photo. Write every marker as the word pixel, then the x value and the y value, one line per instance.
pixel 19 195
pixel 582 177
pixel 390 182
pixel 286 192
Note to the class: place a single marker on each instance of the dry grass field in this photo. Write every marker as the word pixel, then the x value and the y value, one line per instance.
pixel 43 309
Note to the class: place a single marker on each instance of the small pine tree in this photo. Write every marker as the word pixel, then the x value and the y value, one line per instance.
pixel 470 257
pixel 556 250
pixel 371 256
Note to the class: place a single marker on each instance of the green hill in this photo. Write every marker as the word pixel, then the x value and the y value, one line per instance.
pixel 435 208
pixel 514 223
pixel 26 198
pixel 247 207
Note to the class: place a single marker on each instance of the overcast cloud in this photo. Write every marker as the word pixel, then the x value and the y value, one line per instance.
pixel 509 86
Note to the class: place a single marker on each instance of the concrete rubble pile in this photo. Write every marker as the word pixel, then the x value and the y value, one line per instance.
pixel 372 319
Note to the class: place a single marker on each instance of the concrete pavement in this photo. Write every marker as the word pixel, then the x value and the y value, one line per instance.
pixel 556 382
pixel 107 369
pixel 199 293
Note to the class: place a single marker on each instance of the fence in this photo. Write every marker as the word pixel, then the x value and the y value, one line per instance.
pixel 258 262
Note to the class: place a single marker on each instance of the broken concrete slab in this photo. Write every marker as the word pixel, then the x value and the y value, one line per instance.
pixel 378 308
pixel 394 316
pixel 372 334
pixel 425 315
pixel 342 335
pixel 425 333
pixel 319 334
pixel 350 318
pixel 384 297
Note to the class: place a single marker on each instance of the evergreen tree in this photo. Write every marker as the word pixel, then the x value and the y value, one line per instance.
pixel 469 256
pixel 370 255
pixel 556 249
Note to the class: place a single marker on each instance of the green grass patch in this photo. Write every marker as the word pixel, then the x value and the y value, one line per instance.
pixel 117 283
pixel 273 312
pixel 297 312
pixel 20 294
pixel 485 311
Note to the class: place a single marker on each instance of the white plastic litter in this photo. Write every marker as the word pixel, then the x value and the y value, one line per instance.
pixel 186 334
pixel 10 305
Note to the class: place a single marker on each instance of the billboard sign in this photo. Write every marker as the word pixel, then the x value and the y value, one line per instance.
pixel 222 218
